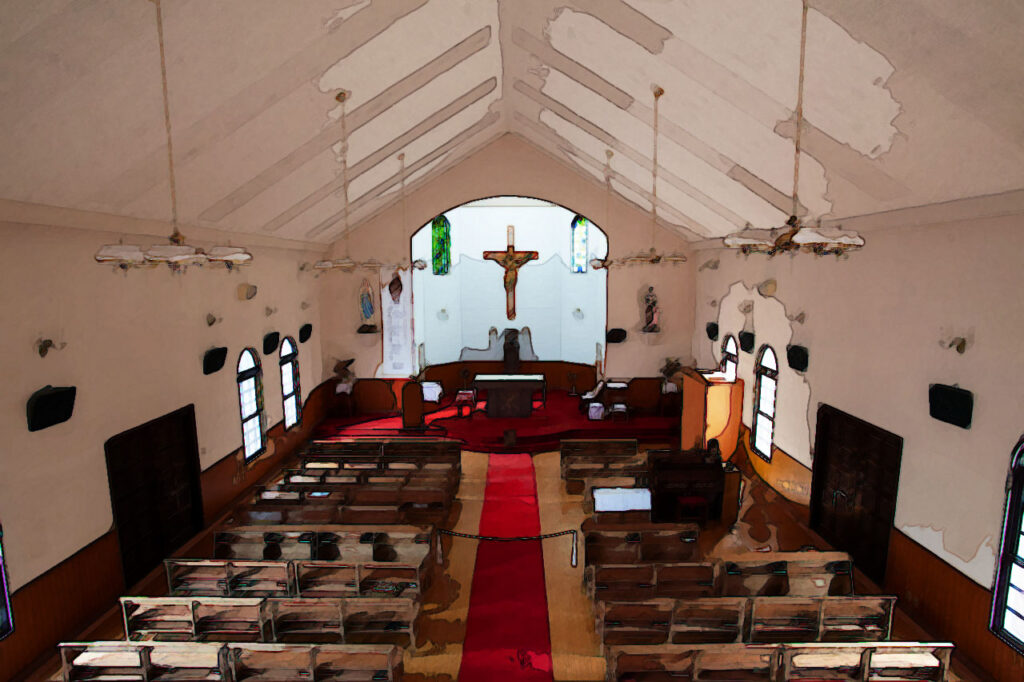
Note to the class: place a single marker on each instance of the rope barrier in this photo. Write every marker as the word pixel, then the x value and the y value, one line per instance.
pixel 492 538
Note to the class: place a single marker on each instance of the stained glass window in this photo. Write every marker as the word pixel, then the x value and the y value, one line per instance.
pixel 764 402
pixel 6 617
pixel 1007 619
pixel 250 403
pixel 290 383
pixel 578 254
pixel 441 239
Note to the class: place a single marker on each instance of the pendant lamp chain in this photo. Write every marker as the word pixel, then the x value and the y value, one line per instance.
pixel 799 110
pixel 342 97
pixel 658 92
pixel 176 235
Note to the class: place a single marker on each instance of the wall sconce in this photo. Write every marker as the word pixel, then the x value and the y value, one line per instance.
pixel 799 318
pixel 419 264
pixel 43 346
pixel 304 305
pixel 246 292
pixel 212 319
pixel 268 311
pixel 746 307
pixel 442 314
pixel 959 343
pixel 578 314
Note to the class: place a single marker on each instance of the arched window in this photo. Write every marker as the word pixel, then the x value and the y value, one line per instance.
pixel 578 245
pixel 1007 620
pixel 730 358
pixel 6 617
pixel 290 393
pixel 441 245
pixel 250 402
pixel 765 385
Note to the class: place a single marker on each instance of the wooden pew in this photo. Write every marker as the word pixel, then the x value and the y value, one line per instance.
pixel 758 620
pixel 853 662
pixel 359 544
pixel 637 543
pixel 228 578
pixel 431 449
pixel 398 513
pixel 238 662
pixel 324 663
pixel 203 619
pixel 794 574
pixel 594 458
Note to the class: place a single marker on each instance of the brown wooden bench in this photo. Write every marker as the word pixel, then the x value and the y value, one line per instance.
pixel 638 543
pixel 759 620
pixel 365 544
pixel 780 662
pixel 431 449
pixel 202 619
pixel 145 661
pixel 230 578
pixel 794 574
pixel 394 512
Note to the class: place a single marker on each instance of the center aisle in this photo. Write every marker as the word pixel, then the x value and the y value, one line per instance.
pixel 507 634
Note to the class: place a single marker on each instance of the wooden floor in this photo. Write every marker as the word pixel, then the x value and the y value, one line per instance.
pixel 767 522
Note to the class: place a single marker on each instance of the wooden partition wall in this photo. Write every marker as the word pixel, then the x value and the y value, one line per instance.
pixel 69 597
pixel 556 373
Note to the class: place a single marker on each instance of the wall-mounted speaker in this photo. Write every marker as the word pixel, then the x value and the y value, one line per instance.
pixel 213 359
pixel 50 405
pixel 615 335
pixel 951 404
pixel 712 330
pixel 270 342
pixel 797 357
pixel 305 331
pixel 746 342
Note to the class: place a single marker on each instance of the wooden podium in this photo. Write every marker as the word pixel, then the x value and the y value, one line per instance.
pixel 711 409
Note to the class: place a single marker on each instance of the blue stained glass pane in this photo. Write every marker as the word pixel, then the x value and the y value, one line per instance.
pixel 578 247
pixel 6 618
pixel 441 245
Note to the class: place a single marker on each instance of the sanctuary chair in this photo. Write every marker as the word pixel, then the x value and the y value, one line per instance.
pixel 412 405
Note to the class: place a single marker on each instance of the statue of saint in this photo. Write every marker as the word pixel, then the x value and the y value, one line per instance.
pixel 651 313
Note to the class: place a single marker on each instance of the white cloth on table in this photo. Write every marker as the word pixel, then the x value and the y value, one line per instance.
pixel 432 391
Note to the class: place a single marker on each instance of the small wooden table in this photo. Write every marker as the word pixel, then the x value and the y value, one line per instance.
pixel 509 395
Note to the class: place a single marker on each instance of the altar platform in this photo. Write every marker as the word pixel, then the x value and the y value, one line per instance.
pixel 558 418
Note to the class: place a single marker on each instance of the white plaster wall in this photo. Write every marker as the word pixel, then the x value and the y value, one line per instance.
pixel 877 326
pixel 134 350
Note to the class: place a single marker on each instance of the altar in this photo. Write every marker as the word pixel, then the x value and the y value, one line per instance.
pixel 509 395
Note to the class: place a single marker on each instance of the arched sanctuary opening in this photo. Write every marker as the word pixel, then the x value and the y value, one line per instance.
pixel 471 290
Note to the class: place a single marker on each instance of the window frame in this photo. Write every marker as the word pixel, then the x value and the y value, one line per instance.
pixel 6 612
pixel 728 356
pixel 761 371
pixel 255 372
pixel 1009 552
pixel 290 360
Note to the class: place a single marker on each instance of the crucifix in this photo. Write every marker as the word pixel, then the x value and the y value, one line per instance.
pixel 511 260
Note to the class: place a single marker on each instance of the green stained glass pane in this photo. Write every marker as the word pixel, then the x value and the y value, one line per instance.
pixel 441 240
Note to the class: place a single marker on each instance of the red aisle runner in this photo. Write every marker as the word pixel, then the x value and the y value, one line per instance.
pixel 507 635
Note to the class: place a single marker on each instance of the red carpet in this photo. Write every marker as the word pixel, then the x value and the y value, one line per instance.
pixel 507 635
pixel 559 418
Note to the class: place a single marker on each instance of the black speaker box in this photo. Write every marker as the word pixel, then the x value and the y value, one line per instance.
pixel 797 357
pixel 951 404
pixel 305 331
pixel 213 359
pixel 712 330
pixel 615 335
pixel 747 342
pixel 49 406
pixel 270 342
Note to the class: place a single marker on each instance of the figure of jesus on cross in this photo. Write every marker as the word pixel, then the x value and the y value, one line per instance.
pixel 511 260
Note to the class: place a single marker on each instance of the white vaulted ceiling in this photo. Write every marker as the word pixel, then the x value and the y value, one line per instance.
pixel 906 104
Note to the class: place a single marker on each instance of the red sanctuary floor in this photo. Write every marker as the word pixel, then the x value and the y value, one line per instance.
pixel 559 418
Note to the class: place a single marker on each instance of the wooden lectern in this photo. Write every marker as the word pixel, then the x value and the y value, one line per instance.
pixel 712 408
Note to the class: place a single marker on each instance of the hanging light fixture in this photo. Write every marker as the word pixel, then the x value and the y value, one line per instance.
pixel 599 263
pixel 177 254
pixel 794 236
pixel 652 256
pixel 345 263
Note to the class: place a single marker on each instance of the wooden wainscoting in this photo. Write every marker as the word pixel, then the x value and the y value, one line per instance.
pixel 949 605
pixel 62 602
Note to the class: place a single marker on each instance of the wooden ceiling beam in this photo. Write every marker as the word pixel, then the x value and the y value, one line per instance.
pixel 393 147
pixel 354 120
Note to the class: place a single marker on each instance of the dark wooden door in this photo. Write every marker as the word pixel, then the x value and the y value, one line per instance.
pixel 153 472
pixel 853 491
